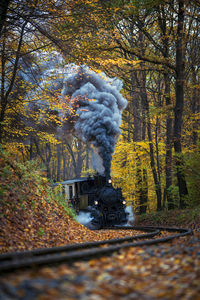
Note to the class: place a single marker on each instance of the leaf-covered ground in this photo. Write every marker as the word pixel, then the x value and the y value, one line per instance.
pixel 30 218
pixel 166 271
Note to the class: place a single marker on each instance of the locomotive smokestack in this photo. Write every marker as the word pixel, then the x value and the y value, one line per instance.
pixel 100 105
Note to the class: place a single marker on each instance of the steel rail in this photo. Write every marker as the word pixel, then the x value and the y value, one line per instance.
pixel 85 251
pixel 30 253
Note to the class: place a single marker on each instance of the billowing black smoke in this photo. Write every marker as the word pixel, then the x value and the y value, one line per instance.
pixel 100 104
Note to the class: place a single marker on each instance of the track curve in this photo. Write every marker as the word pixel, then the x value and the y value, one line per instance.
pixel 86 251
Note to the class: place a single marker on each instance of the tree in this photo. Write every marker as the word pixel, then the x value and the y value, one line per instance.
pixel 160 56
pixel 151 45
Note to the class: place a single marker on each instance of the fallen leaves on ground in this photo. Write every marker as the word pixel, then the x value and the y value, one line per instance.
pixel 165 271
pixel 28 220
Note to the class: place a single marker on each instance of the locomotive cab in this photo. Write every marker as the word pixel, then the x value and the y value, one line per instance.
pixel 76 192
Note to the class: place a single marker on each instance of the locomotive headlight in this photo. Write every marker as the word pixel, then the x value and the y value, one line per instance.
pixel 124 202
pixel 109 181
pixel 96 202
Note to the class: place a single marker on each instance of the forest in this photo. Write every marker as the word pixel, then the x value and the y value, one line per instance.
pixel 152 47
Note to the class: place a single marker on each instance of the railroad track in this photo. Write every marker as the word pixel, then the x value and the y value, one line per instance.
pixel 86 251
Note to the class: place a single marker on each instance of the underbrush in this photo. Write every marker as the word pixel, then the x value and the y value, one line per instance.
pixel 189 217
pixel 32 215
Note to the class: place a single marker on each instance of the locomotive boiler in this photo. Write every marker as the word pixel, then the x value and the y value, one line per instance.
pixel 109 208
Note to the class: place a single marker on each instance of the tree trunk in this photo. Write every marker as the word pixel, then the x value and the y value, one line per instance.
pixel 48 159
pixel 3 13
pixel 58 162
pixel 178 110
pixel 168 157
pixel 151 152
pixel 3 101
pixel 64 162
pixel 153 166
pixel 138 130
pixel 141 188
pixel 5 93
pixel 141 196
pixel 162 21
pixel 194 105
pixel 79 164
pixel 144 193
pixel 87 156
pixel 31 148
pixel 73 157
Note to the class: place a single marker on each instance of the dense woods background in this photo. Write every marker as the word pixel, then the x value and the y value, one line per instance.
pixel 152 46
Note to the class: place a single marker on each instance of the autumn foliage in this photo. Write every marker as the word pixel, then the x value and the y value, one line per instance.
pixel 152 46
pixel 29 218
pixel 33 216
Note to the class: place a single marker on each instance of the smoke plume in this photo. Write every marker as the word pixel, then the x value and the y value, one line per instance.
pixel 98 104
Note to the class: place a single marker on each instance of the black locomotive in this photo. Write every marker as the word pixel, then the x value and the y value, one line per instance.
pixel 108 207
pixel 97 196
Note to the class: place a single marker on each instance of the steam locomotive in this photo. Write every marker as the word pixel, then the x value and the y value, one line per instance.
pixel 97 196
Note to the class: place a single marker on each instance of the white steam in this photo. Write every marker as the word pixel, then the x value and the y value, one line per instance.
pixel 131 217
pixel 84 218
